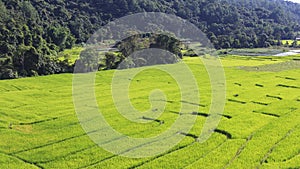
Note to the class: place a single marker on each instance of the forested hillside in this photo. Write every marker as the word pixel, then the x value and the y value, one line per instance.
pixel 33 32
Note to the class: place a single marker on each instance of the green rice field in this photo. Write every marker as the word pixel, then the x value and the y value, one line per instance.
pixel 259 128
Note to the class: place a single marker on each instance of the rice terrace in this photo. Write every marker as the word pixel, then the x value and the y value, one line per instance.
pixel 259 128
pixel 150 84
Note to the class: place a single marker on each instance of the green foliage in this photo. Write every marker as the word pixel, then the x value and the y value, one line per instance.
pixel 112 60
pixel 28 41
pixel 61 37
pixel 70 54
pixel 168 43
pixel 53 26
pixel 89 60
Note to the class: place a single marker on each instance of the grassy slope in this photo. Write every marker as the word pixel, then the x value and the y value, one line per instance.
pixel 46 133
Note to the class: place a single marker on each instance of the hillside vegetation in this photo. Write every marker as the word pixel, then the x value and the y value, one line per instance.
pixel 34 32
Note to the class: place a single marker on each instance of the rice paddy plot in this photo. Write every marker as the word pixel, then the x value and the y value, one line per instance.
pixel 259 128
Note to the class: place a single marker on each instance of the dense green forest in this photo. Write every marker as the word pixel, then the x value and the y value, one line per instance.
pixel 32 33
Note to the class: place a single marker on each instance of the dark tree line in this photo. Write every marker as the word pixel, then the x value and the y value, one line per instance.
pixel 135 51
pixel 32 32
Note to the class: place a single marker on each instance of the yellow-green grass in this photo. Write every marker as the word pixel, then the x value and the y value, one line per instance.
pixel 39 127
pixel 70 54
pixel 290 42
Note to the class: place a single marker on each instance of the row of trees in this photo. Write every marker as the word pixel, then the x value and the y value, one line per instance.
pixel 135 51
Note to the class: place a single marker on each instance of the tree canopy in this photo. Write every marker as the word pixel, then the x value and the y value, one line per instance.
pixel 33 32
